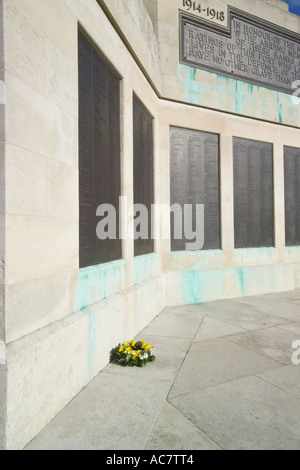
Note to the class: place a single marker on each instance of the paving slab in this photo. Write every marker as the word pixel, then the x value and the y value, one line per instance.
pixel 281 308
pixel 174 431
pixel 274 343
pixel 241 314
pixel 169 355
pixel 286 378
pixel 245 414
pixel 217 361
pixel 211 328
pixel 175 323
pixel 195 308
pixel 291 296
pixel 293 328
pixel 224 306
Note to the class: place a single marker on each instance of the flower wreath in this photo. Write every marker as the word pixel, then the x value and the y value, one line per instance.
pixel 134 353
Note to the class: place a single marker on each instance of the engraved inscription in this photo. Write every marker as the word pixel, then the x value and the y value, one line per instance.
pixel 99 152
pixel 253 194
pixel 251 50
pixel 208 12
pixel 292 195
pixel 195 180
pixel 143 169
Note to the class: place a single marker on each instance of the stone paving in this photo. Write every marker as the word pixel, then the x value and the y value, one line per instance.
pixel 223 379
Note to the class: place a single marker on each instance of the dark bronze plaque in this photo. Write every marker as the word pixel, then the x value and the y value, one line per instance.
pixel 195 180
pixel 143 170
pixel 292 195
pixel 99 153
pixel 253 194
pixel 250 49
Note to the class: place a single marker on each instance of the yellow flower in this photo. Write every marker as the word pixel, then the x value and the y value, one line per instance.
pixel 133 344
pixel 128 349
pixel 148 347
pixel 121 348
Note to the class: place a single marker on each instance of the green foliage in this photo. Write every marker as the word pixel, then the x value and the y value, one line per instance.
pixel 134 353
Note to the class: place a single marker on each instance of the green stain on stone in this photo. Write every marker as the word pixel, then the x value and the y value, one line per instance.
pixel 238 99
pixel 241 277
pixel 95 283
pixel 145 266
pixel 194 91
pixel 205 286
pixel 280 109
pixel 192 73
pixel 82 297
pixel 201 286
pixel 192 287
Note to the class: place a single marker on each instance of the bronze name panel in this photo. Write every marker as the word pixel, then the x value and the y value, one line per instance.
pixel 143 169
pixel 250 49
pixel 99 153
pixel 292 195
pixel 253 194
pixel 195 180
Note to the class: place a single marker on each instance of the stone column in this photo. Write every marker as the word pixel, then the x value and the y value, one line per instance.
pixel 227 199
pixel 127 175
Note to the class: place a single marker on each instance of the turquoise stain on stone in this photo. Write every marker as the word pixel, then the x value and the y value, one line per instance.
pixel 247 101
pixel 238 99
pixel 192 287
pixel 201 286
pixel 192 73
pixel 96 283
pixel 145 266
pixel 204 286
pixel 280 109
pixel 241 279
pixel 82 291
pixel 195 93
pixel 222 82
